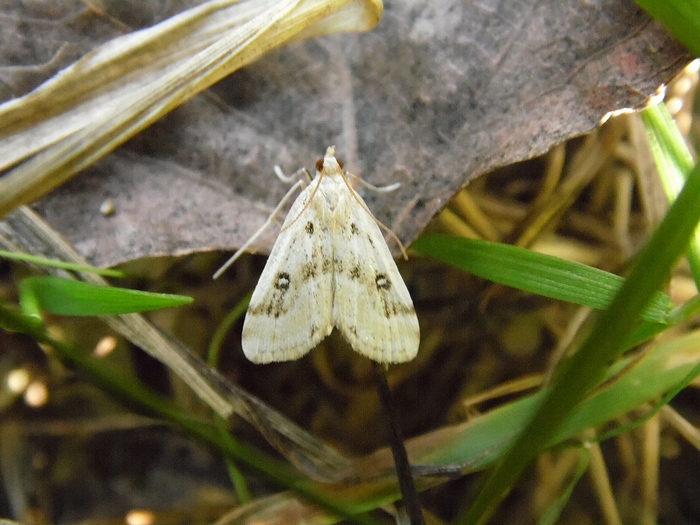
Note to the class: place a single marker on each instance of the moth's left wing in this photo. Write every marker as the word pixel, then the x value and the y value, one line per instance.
pixel 371 306
pixel 290 311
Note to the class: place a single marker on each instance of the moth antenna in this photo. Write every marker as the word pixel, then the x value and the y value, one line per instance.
pixel 364 207
pixel 289 179
pixel 379 189
pixel 306 204
pixel 257 234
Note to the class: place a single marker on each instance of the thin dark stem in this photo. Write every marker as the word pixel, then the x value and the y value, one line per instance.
pixel 403 468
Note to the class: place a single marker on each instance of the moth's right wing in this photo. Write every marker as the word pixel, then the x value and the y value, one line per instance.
pixel 291 308
pixel 372 307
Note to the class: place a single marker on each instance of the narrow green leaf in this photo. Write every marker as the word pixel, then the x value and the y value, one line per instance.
pixel 668 147
pixel 484 439
pixel 694 372
pixel 535 272
pixel 224 328
pixel 60 296
pixel 276 470
pixel 679 17
pixel 21 322
pixel 551 514
pixel 60 264
pixel 686 311
pixel 238 480
pixel 476 444
pixel 673 161
pixel 585 369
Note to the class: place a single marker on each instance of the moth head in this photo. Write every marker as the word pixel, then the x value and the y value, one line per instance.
pixel 329 163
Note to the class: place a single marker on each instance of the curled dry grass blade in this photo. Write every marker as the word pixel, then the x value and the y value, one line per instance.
pixel 120 88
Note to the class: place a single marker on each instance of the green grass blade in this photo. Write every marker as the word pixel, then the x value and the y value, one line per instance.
pixel 679 17
pixel 551 514
pixel 217 340
pixel 686 311
pixel 43 261
pixel 59 296
pixel 476 444
pixel 535 272
pixel 137 395
pixel 16 321
pixel 694 372
pixel 484 439
pixel 238 479
pixel 585 369
pixel 673 160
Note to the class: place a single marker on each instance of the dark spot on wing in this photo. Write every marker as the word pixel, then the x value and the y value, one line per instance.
pixel 282 281
pixel 275 304
pixel 309 228
pixel 355 272
pixel 383 282
pixel 308 271
pixel 401 309
pixel 392 309
pixel 326 266
pixel 354 229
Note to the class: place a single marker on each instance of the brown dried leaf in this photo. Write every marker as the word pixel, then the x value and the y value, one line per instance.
pixel 438 94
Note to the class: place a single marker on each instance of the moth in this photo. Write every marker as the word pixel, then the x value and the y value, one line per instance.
pixel 330 267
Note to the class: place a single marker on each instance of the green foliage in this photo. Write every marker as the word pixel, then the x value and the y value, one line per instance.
pixel 680 17
pixel 59 296
pixel 535 272
pixel 583 372
pixel 673 161
pixel 59 264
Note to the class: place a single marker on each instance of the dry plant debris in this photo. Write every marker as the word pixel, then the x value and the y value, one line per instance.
pixel 593 199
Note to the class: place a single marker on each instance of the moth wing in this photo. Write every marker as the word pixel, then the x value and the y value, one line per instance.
pixel 372 307
pixel 290 311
